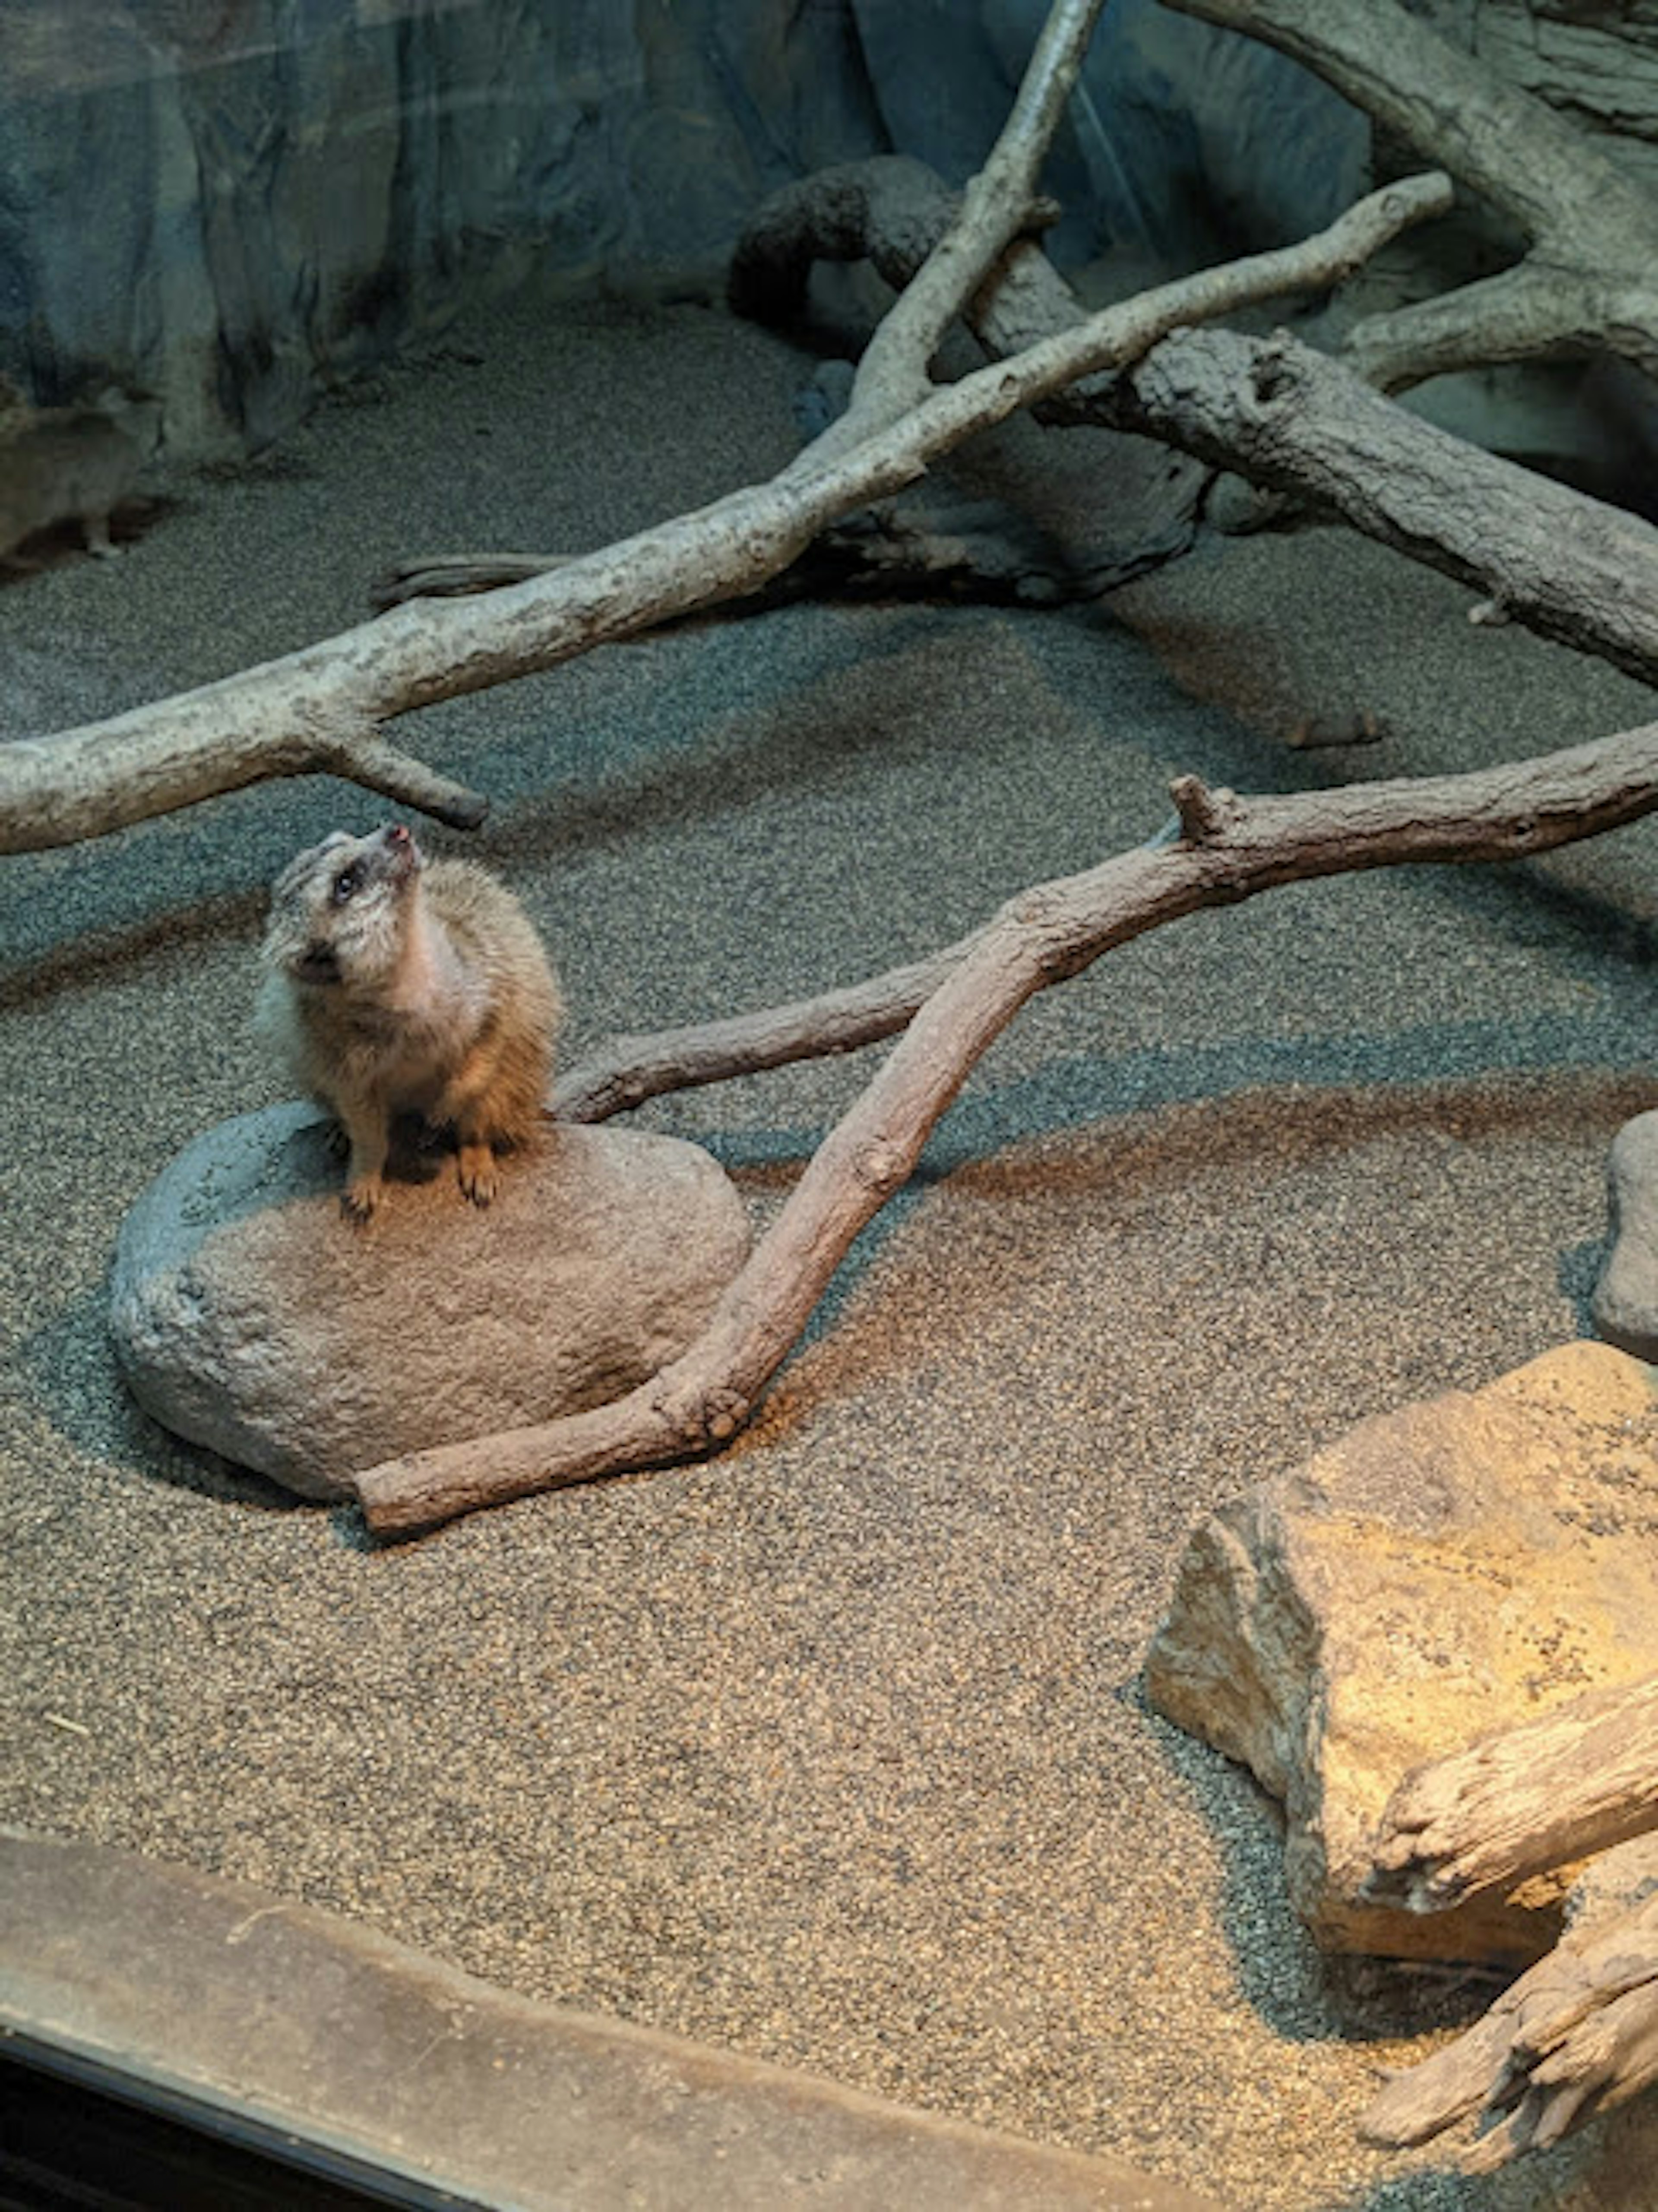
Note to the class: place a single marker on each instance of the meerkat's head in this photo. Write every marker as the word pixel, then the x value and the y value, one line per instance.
pixel 339 912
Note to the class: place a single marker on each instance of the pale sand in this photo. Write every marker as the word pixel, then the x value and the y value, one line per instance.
pixel 833 1749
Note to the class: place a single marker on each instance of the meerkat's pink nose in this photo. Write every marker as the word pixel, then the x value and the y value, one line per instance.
pixel 397 835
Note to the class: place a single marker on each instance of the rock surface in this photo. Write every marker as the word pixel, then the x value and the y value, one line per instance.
pixel 1457 1566
pixel 249 1316
pixel 236 207
pixel 1625 1304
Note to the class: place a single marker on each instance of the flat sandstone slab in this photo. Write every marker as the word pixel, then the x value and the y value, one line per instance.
pixel 250 1316
pixel 335 2049
pixel 1458 1566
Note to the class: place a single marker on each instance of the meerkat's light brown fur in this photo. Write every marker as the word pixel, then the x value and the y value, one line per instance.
pixel 396 986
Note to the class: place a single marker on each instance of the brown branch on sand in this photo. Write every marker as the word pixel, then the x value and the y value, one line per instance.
pixel 325 706
pixel 1230 849
pixel 1587 281
pixel 1577 2035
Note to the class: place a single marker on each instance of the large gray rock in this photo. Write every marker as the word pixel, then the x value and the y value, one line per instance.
pixel 250 1316
pixel 1625 1304
pixel 1456 1567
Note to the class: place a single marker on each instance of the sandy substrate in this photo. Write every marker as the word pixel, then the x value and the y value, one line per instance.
pixel 832 1750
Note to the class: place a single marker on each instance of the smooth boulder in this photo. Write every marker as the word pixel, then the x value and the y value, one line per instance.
pixel 1451 1569
pixel 1625 1304
pixel 250 1316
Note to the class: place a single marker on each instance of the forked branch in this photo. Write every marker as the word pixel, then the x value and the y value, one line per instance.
pixel 1231 849
pixel 1592 230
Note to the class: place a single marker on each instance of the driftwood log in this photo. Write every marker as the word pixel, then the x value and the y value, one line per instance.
pixel 1575 2036
pixel 1586 281
pixel 1567 567
pixel 1579 1780
pixel 1228 849
pixel 1578 2032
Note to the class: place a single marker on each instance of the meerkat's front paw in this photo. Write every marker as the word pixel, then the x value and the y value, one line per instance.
pixel 478 1178
pixel 359 1200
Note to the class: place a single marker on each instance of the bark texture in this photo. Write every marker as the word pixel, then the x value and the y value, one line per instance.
pixel 1575 2035
pixel 1576 1782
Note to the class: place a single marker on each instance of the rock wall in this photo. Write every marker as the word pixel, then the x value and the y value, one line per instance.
pixel 234 203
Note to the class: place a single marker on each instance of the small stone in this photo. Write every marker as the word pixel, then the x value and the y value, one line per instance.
pixel 1625 1304
pixel 1456 1567
pixel 250 1316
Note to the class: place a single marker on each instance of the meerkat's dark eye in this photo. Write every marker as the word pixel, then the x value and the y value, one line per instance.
pixel 344 884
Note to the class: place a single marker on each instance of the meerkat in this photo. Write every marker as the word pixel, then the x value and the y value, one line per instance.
pixel 394 985
pixel 69 465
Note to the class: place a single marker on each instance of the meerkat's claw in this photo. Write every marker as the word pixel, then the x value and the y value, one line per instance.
pixel 358 1201
pixel 477 1173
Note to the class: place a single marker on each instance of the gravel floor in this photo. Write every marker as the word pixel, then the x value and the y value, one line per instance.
pixel 832 1750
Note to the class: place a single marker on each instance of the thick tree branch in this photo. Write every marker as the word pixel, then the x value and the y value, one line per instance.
pixel 274 719
pixel 271 721
pixel 1567 567
pixel 1579 1780
pixel 1232 849
pixel 1575 2035
pixel 1593 231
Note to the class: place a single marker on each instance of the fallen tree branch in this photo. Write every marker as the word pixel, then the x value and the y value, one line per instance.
pixel 630 1070
pixel 274 720
pixel 1230 849
pixel 892 374
pixel 940 546
pixel 326 702
pixel 1292 420
pixel 1587 281
pixel 1575 2036
pixel 1567 567
pixel 1579 1780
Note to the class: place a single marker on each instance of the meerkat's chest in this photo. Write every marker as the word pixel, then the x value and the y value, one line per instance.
pixel 409 1053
